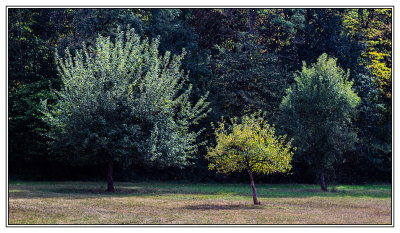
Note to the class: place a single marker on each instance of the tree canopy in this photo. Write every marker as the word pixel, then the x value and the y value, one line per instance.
pixel 317 111
pixel 123 99
pixel 250 145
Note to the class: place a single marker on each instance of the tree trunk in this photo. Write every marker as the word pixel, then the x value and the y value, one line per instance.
pixel 110 182
pixel 323 184
pixel 253 187
pixel 252 20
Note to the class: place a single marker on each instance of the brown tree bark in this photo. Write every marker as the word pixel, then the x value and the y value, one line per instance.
pixel 253 187
pixel 110 182
pixel 323 184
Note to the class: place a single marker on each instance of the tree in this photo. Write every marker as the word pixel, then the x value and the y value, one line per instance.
pixel 372 82
pixel 171 25
pixel 30 69
pixel 251 146
pixel 122 99
pixel 371 161
pixel 26 144
pixel 247 73
pixel 375 26
pixel 247 79
pixel 29 54
pixel 317 111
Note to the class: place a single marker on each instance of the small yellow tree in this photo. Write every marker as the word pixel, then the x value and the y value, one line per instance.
pixel 251 146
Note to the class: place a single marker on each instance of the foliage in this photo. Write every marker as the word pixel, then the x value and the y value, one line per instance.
pixel 123 99
pixel 317 112
pixel 241 56
pixel 323 33
pixel 247 80
pixel 30 73
pixel 248 75
pixel 250 145
pixel 29 54
pixel 375 28
pixel 373 84
pixel 26 128
pixel 280 30
pixel 175 33
pixel 371 160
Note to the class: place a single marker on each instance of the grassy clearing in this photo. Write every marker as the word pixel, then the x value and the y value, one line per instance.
pixel 186 203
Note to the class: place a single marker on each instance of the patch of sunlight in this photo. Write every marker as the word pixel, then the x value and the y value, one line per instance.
pixel 225 193
pixel 17 191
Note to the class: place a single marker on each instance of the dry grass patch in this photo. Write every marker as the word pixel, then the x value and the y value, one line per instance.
pixel 169 203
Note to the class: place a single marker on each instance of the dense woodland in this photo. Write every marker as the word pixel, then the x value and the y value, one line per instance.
pixel 198 68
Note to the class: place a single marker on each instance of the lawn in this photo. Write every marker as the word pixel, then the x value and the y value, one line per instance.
pixel 195 203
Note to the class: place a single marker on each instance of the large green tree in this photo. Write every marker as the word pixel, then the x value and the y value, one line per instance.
pixel 317 111
pixel 252 146
pixel 123 99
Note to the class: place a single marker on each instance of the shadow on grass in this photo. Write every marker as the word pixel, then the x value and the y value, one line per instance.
pixel 119 191
pixel 78 193
pixel 219 207
pixel 83 190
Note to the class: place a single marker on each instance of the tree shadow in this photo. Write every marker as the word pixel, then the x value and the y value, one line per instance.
pixel 79 193
pixel 219 207
pixel 118 191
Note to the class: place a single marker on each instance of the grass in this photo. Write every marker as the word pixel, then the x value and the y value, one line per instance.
pixel 188 203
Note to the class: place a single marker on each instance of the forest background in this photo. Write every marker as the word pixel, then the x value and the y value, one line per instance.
pixel 244 58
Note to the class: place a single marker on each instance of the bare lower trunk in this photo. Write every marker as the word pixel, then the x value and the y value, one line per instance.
pixel 323 184
pixel 253 187
pixel 110 182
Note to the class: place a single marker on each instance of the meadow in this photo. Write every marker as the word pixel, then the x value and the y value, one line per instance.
pixel 195 203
